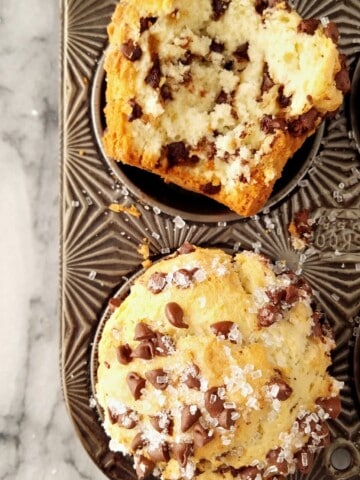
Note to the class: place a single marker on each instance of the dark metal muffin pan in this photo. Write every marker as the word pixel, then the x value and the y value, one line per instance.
pixel 99 248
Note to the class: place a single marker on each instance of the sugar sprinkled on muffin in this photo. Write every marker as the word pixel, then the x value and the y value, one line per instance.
pixel 216 367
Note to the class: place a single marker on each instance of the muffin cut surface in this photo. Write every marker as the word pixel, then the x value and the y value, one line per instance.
pixel 215 96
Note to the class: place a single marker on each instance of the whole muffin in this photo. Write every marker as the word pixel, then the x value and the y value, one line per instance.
pixel 216 95
pixel 215 367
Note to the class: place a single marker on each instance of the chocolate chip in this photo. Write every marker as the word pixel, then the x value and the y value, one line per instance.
pixel 127 420
pixel 131 50
pixel 186 248
pixel 181 452
pixel 304 123
pixel 177 153
pixel 222 98
pixel 269 123
pixel 213 403
pixel 229 65
pixel 241 53
pixel 320 435
pixel 210 189
pixel 143 332
pixel 135 384
pixel 145 350
pixel 308 26
pixel 202 436
pixel 183 278
pixel 219 7
pixel 187 59
pixel 114 303
pixel 191 379
pixel 226 418
pixel 243 179
pixel 164 345
pixel 165 92
pixel 261 5
pixel 222 328
pixel 143 467
pixel 136 111
pixel 160 453
pixel 273 459
pixel 267 315
pixel 304 460
pixel 146 22
pixel 342 79
pixel 247 473
pixel 138 442
pixel 157 282
pixel 301 223
pixel 316 328
pixel 175 314
pixel 285 390
pixel 123 354
pixel 331 31
pixel 162 423
pixel 158 378
pixel 331 405
pixel 291 294
pixel 267 82
pixel 217 47
pixel 189 415
pixel 154 75
pixel 282 100
pixel 112 416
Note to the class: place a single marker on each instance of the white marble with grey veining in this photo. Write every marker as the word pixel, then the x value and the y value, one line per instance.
pixel 37 441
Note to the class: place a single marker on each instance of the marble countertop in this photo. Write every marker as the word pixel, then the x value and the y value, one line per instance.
pixel 37 440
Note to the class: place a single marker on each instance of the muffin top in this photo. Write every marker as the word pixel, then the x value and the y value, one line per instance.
pixel 216 95
pixel 215 366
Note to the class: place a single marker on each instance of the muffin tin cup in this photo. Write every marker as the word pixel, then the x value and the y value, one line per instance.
pixel 100 252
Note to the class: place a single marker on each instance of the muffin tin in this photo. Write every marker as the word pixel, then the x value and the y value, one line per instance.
pixel 99 247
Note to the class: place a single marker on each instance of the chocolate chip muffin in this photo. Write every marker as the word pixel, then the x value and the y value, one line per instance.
pixel 215 367
pixel 216 95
